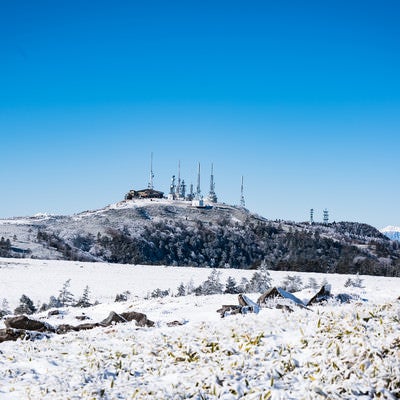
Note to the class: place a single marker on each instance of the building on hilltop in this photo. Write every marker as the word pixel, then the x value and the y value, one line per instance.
pixel 144 194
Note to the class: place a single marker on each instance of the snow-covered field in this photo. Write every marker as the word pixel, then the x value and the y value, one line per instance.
pixel 335 351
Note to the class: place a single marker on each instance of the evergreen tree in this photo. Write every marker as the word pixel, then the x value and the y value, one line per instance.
pixel 25 306
pixel 84 300
pixel 181 290
pixel 213 283
pixel 292 283
pixel 312 284
pixel 260 281
pixel 231 286
pixel 5 308
pixel 66 298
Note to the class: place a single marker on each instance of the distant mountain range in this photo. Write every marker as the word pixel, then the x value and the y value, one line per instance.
pixel 392 232
pixel 168 232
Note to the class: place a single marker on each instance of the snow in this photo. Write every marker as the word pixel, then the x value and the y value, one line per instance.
pixel 334 351
pixel 390 228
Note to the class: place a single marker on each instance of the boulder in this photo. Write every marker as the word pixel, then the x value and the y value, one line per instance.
pixel 140 318
pixel 25 323
pixel 324 294
pixel 11 334
pixel 113 318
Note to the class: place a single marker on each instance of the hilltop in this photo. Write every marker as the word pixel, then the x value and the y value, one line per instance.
pixel 167 232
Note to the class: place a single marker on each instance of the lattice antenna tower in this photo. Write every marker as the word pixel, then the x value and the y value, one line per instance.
pixel 178 186
pixel 326 216
pixel 242 201
pixel 151 180
pixel 211 195
pixel 311 216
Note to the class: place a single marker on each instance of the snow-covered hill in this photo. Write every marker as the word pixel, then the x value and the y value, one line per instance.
pixel 166 232
pixel 392 232
pixel 334 351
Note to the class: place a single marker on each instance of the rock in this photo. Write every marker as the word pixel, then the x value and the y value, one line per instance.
pixel 113 318
pixel 53 312
pixel 82 317
pixel 83 327
pixel 64 328
pixel 226 310
pixel 140 318
pixel 269 294
pixel 11 334
pixel 25 323
pixel 174 323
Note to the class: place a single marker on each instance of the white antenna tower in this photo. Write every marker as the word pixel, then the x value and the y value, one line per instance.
pixel 311 216
pixel 178 186
pixel 326 216
pixel 198 191
pixel 242 202
pixel 151 180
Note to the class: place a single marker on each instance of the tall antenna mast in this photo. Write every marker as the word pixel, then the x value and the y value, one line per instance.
pixel 326 216
pixel 212 196
pixel 198 190
pixel 311 216
pixel 242 202
pixel 151 180
pixel 178 186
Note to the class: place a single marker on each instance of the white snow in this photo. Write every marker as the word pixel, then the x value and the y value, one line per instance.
pixel 390 228
pixel 334 351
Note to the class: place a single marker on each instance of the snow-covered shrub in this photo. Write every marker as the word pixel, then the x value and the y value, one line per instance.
pixel 292 283
pixel 312 284
pixel 181 291
pixel 26 306
pixel 159 293
pixel 122 296
pixel 357 282
pixel 5 308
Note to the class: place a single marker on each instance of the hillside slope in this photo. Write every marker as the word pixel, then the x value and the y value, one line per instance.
pixel 164 232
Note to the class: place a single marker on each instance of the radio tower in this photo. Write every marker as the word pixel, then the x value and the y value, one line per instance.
pixel 151 184
pixel 326 216
pixel 198 190
pixel 312 216
pixel 242 202
pixel 212 196
pixel 178 186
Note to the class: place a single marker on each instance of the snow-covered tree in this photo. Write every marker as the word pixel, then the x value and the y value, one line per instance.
pixel 213 283
pixel 181 291
pixel 5 308
pixel 312 284
pixel 292 283
pixel 231 286
pixel 65 297
pixel 260 281
pixel 26 306
pixel 84 299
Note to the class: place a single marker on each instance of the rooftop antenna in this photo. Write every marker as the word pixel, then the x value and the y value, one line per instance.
pixel 198 191
pixel 311 216
pixel 212 196
pixel 326 216
pixel 151 184
pixel 242 202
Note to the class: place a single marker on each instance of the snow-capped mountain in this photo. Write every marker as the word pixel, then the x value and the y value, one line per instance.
pixel 392 232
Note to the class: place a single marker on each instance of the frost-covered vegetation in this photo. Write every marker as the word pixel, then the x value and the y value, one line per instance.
pixel 332 351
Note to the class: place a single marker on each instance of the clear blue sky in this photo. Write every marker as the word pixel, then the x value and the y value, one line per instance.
pixel 300 97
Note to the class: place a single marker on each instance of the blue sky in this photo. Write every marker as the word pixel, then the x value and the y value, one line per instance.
pixel 302 98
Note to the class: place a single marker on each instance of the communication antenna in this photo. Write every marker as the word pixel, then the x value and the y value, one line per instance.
pixel 212 196
pixel 198 190
pixel 311 216
pixel 242 202
pixel 178 186
pixel 151 180
pixel 326 216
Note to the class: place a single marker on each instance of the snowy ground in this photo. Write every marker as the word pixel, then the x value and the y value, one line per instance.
pixel 335 351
